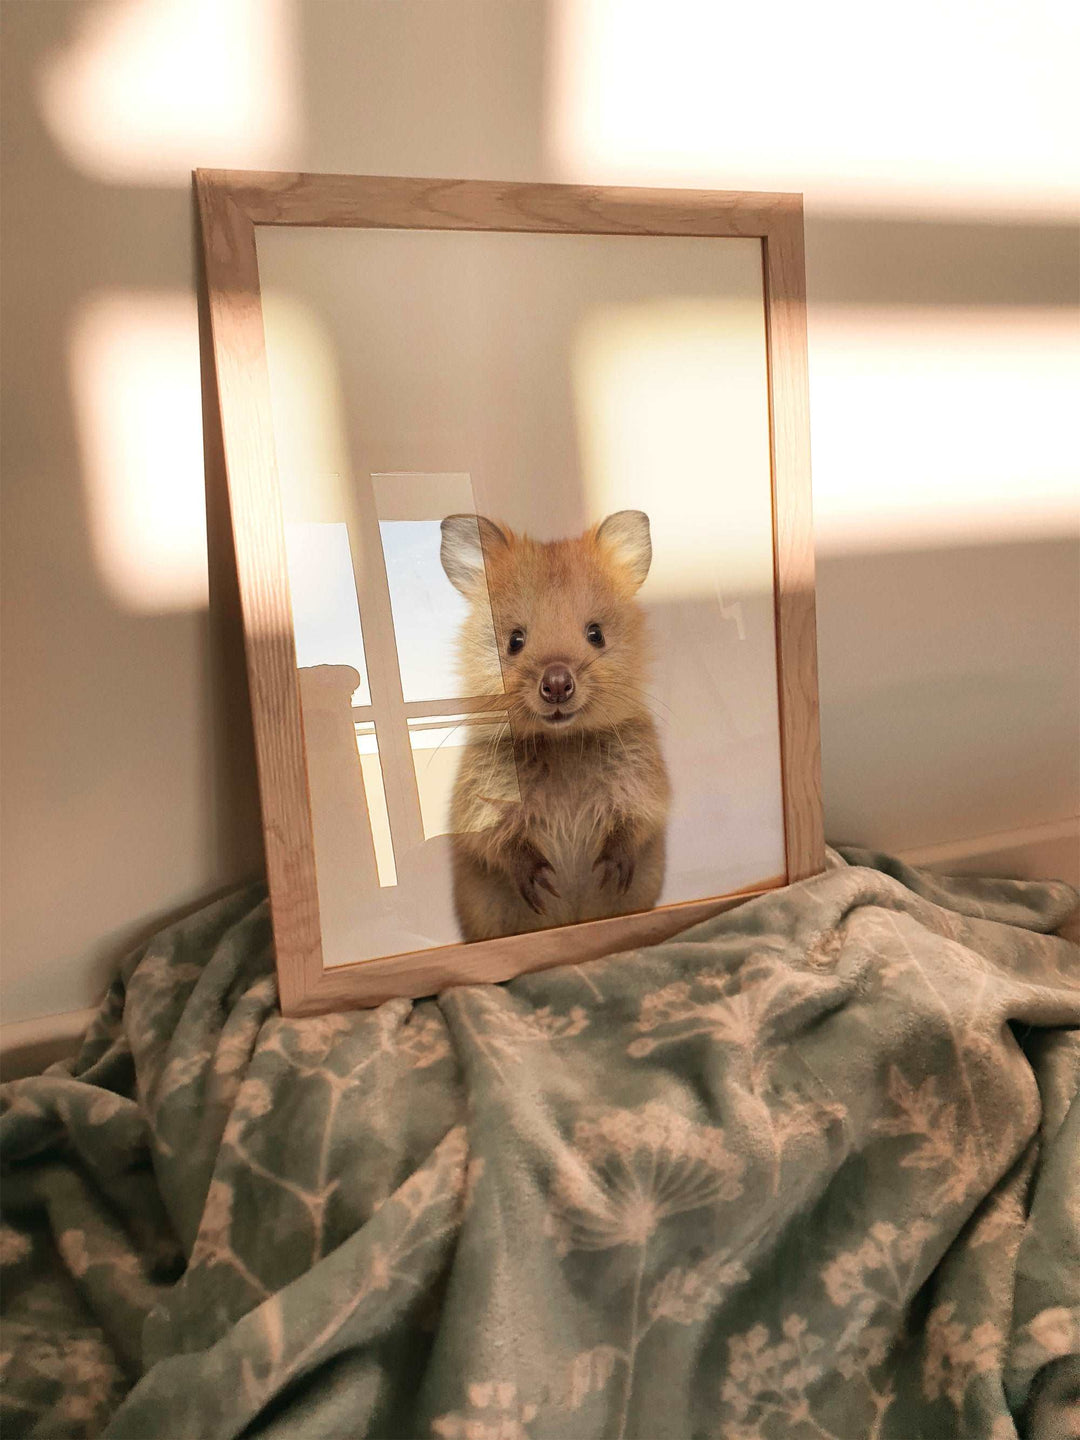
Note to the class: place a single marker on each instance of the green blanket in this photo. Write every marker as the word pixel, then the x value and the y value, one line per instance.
pixel 811 1169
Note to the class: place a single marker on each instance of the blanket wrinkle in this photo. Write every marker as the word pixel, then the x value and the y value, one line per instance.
pixel 809 1169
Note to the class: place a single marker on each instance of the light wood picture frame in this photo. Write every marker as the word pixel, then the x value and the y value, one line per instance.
pixel 231 206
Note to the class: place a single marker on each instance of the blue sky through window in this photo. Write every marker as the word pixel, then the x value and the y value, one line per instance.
pixel 428 611
pixel 326 617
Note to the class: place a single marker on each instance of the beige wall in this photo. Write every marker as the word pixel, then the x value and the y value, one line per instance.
pixel 948 645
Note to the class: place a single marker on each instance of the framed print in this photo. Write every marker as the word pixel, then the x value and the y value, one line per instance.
pixel 519 480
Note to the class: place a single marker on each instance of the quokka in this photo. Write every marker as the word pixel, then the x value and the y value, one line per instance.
pixel 558 813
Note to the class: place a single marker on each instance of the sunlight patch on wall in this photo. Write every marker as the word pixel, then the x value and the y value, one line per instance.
pixel 790 96
pixel 135 382
pixel 935 427
pixel 149 88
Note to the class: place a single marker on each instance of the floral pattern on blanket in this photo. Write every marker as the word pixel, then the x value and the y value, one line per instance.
pixel 811 1169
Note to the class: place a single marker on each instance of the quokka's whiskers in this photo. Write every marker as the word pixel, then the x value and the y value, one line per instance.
pixel 495 754
pixel 472 720
pixel 647 701
pixel 647 696
pixel 445 738
pixel 638 692
pixel 613 727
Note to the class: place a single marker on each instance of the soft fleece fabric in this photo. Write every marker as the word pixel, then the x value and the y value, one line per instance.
pixel 811 1169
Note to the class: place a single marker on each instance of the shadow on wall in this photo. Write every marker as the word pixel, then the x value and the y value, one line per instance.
pixel 129 777
pixel 129 782
pixel 950 680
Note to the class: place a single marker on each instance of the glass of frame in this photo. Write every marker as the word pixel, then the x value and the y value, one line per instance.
pixel 519 481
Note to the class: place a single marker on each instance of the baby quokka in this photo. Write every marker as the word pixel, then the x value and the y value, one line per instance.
pixel 559 812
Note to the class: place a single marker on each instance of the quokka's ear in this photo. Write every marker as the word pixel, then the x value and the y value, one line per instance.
pixel 626 536
pixel 465 538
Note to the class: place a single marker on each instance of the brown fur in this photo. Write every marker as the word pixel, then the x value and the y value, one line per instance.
pixel 556 822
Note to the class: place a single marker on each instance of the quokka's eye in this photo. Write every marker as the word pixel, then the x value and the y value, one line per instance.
pixel 594 635
pixel 516 642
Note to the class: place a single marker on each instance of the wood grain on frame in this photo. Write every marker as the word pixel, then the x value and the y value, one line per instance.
pixel 426 972
pixel 231 203
pixel 793 543
pixel 392 202
pixel 243 388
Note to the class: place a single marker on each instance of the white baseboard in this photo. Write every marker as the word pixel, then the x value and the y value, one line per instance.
pixel 1041 852
pixel 28 1046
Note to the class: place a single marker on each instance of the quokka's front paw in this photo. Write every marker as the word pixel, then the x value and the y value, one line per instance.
pixel 616 863
pixel 532 874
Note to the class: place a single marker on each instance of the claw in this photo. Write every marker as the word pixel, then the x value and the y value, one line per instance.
pixel 616 867
pixel 533 905
pixel 543 881
pixel 534 874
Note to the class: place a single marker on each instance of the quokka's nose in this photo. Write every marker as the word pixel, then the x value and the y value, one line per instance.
pixel 556 684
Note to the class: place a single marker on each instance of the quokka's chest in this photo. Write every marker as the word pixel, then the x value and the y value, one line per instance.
pixel 568 779
pixel 566 809
pixel 567 789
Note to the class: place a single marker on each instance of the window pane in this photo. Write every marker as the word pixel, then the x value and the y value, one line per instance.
pixel 326 617
pixel 367 746
pixel 428 611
